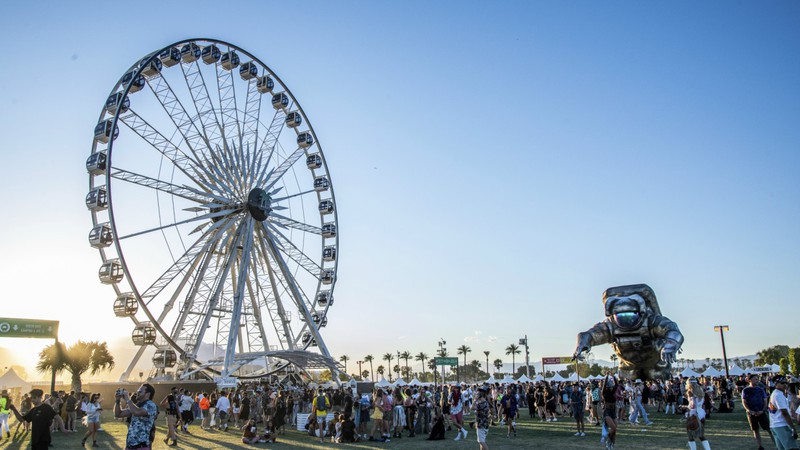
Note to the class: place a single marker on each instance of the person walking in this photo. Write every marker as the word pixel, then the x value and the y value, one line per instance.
pixel 780 421
pixel 576 399
pixel 5 411
pixel 481 408
pixel 696 415
pixel 170 404
pixel 637 408
pixel 92 410
pixel 456 402
pixel 755 400
pixel 608 394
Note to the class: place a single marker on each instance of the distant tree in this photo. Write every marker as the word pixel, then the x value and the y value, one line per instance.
pixel 369 359
pixel 486 352
pixel 381 370
pixel 388 357
pixel 772 355
pixel 794 360
pixel 784 363
pixel 513 350
pixel 405 356
pixel 614 359
pixel 422 357
pixel 464 350
pixel 344 359
pixel 498 364
pixel 79 358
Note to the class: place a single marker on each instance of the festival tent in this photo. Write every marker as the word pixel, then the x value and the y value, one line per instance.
pixel 735 370
pixel 507 380
pixel 523 379
pixel 775 368
pixel 538 378
pixel 383 383
pixel 415 382
pixel 689 373
pixel 491 380
pixel 10 380
pixel 400 382
pixel 557 377
pixel 711 372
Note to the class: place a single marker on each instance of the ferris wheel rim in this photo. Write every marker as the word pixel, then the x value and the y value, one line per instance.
pixel 137 68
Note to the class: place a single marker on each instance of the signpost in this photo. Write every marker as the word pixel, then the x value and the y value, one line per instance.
pixel 555 360
pixel 445 361
pixel 31 328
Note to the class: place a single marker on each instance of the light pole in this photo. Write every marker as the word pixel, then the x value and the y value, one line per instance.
pixel 398 364
pixel 722 329
pixel 443 352
pixel 524 341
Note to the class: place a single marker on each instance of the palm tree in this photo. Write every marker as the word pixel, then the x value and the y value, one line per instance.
pixel 388 357
pixel 463 350
pixel 422 357
pixel 498 364
pixel 381 370
pixel 405 356
pixel 344 359
pixel 486 352
pixel 512 350
pixel 369 359
pixel 79 358
pixel 614 359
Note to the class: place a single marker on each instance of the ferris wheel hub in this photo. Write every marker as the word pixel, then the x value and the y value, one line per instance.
pixel 258 203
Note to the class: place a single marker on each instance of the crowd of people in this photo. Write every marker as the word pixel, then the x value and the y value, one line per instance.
pixel 260 412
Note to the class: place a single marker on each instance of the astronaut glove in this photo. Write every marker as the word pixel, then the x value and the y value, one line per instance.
pixel 668 354
pixel 583 347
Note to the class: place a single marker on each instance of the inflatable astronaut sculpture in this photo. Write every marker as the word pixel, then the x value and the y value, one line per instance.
pixel 645 341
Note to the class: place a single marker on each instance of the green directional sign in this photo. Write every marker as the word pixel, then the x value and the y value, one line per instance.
pixel 440 361
pixel 28 328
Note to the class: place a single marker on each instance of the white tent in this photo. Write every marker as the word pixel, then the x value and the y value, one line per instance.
pixel 400 382
pixel 689 373
pixel 10 380
pixel 557 378
pixel 491 380
pixel 775 368
pixel 415 382
pixel 507 380
pixel 523 379
pixel 711 372
pixel 383 383
pixel 538 378
pixel 735 370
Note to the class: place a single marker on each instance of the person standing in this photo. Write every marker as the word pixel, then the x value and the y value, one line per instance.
pixel 696 416
pixel 170 404
pixel 608 394
pixel 71 408
pixel 783 431
pixel 456 402
pixel 223 407
pixel 481 408
pixel 754 400
pixel 5 411
pixel 40 417
pixel 576 399
pixel 637 408
pixel 142 414
pixel 92 410
pixel 320 406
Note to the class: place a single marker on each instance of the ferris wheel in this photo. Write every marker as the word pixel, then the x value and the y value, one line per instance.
pixel 213 211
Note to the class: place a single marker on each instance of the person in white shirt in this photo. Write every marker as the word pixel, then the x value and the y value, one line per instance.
pixel 224 410
pixel 780 421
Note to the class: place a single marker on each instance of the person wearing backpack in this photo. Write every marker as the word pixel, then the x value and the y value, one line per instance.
pixel 320 407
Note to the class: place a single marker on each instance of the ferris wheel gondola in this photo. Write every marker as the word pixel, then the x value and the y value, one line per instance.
pixel 213 210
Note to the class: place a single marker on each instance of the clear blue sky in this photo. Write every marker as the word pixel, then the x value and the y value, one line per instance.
pixel 496 167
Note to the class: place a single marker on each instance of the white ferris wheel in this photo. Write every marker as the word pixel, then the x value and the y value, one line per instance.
pixel 213 211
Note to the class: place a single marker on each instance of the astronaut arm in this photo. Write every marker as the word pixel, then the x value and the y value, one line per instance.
pixel 665 329
pixel 597 335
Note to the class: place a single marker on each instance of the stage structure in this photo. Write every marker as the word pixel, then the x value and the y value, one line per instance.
pixel 213 211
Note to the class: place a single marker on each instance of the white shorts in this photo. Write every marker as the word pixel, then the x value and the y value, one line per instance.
pixel 482 432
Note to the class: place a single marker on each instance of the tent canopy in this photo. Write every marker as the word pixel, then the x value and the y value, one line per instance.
pixel 10 380
pixel 735 370
pixel 523 379
pixel 383 383
pixel 689 373
pixel 711 372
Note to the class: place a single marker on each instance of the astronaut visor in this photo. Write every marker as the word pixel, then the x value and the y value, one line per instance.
pixel 629 319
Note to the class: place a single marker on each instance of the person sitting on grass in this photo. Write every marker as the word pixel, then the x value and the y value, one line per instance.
pixel 250 434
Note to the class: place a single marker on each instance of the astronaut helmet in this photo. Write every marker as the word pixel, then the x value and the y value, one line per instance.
pixel 627 312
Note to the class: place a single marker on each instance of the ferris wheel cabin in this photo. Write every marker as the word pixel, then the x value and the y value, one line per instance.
pixel 280 100
pixel 126 305
pixel 110 272
pixel 211 54
pixel 293 119
pixel 97 199
pixel 329 230
pixel 265 84
pixel 151 68
pixel 100 236
pixel 144 334
pixel 190 52
pixel 321 184
pixel 314 161
pixel 230 60
pixel 117 100
pixel 103 132
pixel 137 83
pixel 326 206
pixel 164 358
pixel 327 276
pixel 309 340
pixel 248 71
pixel 329 254
pixel 319 320
pixel 324 298
pixel 305 139
pixel 170 57
pixel 96 163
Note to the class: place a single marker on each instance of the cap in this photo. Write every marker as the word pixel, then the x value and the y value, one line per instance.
pixel 779 379
pixel 638 381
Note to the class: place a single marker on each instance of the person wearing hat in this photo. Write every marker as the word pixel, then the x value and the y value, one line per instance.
pixel 637 408
pixel 41 416
pixel 754 400
pixel 780 422
pixel 696 415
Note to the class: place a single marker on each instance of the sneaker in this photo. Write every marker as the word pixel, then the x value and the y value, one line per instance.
pixel 577 434
pixel 458 437
pixel 465 432
pixel 555 419
pixel 648 423
pixel 583 434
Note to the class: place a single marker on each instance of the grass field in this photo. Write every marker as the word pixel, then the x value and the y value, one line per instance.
pixel 724 431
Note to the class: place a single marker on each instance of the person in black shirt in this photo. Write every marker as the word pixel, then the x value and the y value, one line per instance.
pixel 610 411
pixel 41 416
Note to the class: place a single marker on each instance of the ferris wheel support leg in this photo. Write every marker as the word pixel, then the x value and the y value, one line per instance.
pixel 244 268
pixel 126 375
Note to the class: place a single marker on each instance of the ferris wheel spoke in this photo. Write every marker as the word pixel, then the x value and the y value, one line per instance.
pixel 271 139
pixel 227 104
pixel 283 167
pixel 299 194
pixel 195 301
pixel 162 186
pixel 202 102
pixel 177 113
pixel 281 322
pixel 191 256
pixel 238 296
pixel 258 341
pixel 252 114
pixel 283 221
pixel 291 250
pixel 161 144
pixel 207 216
